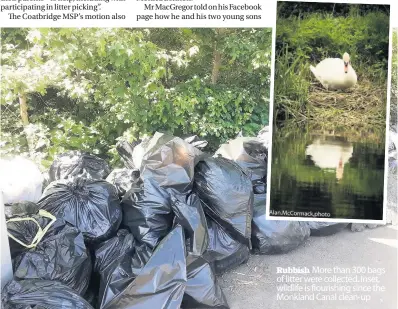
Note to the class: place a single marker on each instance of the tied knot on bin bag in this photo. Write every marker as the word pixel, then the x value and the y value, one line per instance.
pixel 91 205
pixel 40 231
pixel 78 188
pixel 46 248
pixel 77 163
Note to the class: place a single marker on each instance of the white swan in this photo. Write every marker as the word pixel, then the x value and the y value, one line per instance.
pixel 335 73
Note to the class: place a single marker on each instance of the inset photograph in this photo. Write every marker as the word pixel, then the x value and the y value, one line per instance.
pixel 330 111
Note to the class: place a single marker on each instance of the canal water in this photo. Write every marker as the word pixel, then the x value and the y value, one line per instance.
pixel 330 173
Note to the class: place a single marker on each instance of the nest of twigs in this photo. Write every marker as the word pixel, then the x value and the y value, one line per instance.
pixel 362 106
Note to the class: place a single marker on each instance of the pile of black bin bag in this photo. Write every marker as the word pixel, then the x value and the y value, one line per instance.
pixel 153 234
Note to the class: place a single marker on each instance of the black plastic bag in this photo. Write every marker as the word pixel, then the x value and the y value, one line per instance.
pixel 46 180
pixel 120 273
pixel 60 255
pixel 268 236
pixel 260 186
pixel 90 205
pixel 126 152
pixel 118 261
pixel 170 162
pixel 264 136
pixel 224 252
pixel 20 209
pixel 112 249
pixel 76 163
pixel 123 179
pixel 24 231
pixel 161 282
pixel 275 236
pixel 325 228
pixel 147 212
pixel 189 213
pixel 249 153
pixel 91 295
pixel 202 290
pixel 226 190
pixel 41 294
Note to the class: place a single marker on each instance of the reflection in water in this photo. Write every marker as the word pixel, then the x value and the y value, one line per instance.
pixel 330 154
pixel 330 173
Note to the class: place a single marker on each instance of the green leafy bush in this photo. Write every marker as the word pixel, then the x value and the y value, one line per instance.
pixel 86 88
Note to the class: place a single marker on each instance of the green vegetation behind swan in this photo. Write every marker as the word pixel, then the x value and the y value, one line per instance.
pixel 304 39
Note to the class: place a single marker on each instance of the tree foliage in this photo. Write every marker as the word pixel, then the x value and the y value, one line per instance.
pixel 88 87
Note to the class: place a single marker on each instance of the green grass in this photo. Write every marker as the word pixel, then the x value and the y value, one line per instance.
pixel 306 40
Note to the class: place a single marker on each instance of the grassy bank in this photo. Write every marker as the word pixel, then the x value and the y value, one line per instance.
pixel 304 39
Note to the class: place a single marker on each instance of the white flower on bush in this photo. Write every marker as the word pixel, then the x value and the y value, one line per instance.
pixel 193 51
pixel 33 35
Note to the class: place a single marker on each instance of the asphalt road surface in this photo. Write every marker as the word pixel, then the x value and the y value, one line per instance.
pixel 254 285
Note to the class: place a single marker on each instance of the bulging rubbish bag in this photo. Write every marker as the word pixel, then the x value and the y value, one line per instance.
pixel 226 192
pixel 223 251
pixel 21 180
pixel 59 255
pixel 41 294
pixel 147 212
pixel 264 136
pixel 274 236
pixel 126 152
pixel 112 249
pixel 123 179
pixel 325 228
pixel 90 205
pixel 76 163
pixel 91 295
pixel 170 162
pixel 161 282
pixel 25 224
pixel 20 209
pixel 249 153
pixel 120 273
pixel 202 290
pixel 189 213
pixel 46 180
pixel 118 261
pixel 268 236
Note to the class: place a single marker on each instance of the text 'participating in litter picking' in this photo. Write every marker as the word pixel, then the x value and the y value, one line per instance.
pixel 354 284
pixel 202 11
pixel 59 9
pixel 143 11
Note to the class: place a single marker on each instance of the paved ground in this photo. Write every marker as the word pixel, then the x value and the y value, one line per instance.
pixel 392 189
pixel 254 285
